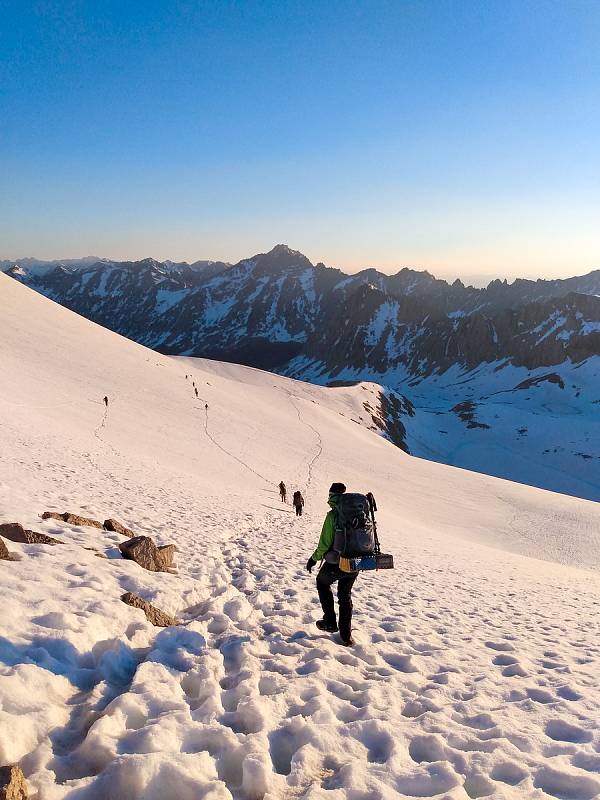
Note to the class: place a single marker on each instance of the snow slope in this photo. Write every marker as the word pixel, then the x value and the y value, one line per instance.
pixel 539 426
pixel 475 669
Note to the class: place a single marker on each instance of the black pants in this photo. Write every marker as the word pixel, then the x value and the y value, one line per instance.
pixel 298 511
pixel 328 575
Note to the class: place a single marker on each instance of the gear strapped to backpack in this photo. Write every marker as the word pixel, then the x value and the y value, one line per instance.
pixel 355 536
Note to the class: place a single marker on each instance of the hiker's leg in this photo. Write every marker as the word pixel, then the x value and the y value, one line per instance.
pixel 345 584
pixel 325 578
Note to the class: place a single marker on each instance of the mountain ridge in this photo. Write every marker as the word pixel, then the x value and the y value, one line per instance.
pixel 277 310
pixel 472 364
pixel 86 261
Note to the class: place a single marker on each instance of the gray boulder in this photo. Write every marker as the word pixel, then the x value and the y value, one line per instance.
pixel 4 555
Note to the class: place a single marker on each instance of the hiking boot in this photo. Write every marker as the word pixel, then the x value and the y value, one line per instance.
pixel 322 625
pixel 349 642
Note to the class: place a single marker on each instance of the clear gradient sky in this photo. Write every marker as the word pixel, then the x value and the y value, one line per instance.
pixel 460 137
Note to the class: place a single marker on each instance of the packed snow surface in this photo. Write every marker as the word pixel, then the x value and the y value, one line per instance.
pixel 475 669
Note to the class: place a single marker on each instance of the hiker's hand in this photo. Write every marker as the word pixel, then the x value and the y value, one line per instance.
pixel 310 564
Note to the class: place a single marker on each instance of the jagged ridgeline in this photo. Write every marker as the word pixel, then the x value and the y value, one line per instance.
pixel 503 380
pixel 279 311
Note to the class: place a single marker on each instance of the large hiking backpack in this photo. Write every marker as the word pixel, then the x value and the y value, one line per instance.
pixel 354 531
pixel 356 538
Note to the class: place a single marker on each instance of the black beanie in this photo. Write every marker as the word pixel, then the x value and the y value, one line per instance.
pixel 337 488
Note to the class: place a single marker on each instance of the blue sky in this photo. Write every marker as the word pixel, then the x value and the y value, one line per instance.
pixel 461 137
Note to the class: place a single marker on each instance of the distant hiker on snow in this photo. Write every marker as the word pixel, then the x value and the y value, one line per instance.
pixel 206 406
pixel 298 502
pixel 196 390
pixel 282 491
pixel 105 401
pixel 330 572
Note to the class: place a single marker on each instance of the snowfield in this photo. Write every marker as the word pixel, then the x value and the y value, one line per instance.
pixel 475 672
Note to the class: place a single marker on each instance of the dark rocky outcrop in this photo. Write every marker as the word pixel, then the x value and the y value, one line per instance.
pixel 117 527
pixel 144 552
pixel 154 615
pixel 17 533
pixel 393 409
pixel 552 377
pixel 13 785
pixel 4 554
pixel 466 412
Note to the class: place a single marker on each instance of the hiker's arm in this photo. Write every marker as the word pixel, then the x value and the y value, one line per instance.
pixel 326 540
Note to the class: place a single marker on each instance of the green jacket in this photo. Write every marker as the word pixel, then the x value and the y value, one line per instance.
pixel 327 531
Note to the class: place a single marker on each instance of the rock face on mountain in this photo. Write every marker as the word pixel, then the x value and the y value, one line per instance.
pixel 279 311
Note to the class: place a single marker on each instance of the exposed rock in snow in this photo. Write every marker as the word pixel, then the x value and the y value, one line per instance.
pixel 167 554
pixel 72 519
pixel 75 519
pixel 17 533
pixel 13 785
pixel 154 615
pixel 143 551
pixel 115 525
pixel 4 551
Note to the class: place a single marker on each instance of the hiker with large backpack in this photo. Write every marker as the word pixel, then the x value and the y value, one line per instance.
pixel 348 545
pixel 330 572
pixel 298 502
pixel 282 492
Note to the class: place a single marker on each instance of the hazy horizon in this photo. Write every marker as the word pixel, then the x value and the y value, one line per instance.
pixel 477 279
pixel 459 138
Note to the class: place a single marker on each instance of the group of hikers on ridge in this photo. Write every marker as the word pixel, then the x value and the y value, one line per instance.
pixel 297 499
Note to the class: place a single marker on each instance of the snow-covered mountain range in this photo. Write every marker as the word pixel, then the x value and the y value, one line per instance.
pixel 475 669
pixel 504 379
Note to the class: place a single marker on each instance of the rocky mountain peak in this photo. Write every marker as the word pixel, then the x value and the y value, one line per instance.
pixel 280 258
